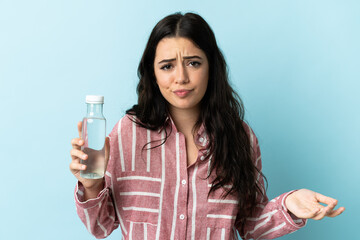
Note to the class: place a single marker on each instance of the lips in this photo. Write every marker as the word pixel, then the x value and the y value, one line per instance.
pixel 182 92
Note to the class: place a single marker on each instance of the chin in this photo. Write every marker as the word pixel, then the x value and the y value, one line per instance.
pixel 184 106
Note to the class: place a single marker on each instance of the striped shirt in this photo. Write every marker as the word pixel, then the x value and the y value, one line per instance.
pixel 153 194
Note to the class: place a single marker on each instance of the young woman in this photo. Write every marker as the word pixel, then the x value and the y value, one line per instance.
pixel 182 163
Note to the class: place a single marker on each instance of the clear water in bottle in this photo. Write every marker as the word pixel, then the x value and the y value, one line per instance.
pixel 94 134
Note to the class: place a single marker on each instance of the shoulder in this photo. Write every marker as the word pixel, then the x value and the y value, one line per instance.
pixel 127 121
pixel 254 142
pixel 122 124
pixel 125 124
pixel 249 131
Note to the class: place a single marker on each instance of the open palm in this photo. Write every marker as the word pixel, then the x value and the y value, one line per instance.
pixel 305 203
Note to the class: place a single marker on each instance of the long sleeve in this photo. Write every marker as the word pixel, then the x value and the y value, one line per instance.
pixel 99 214
pixel 271 218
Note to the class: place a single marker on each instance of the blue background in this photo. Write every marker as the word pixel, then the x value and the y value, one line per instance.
pixel 294 63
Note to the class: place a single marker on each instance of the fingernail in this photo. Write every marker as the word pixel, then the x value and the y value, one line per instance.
pixel 83 167
pixel 81 141
pixel 84 156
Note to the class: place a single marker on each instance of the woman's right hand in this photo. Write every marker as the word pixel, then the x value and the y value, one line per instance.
pixel 92 186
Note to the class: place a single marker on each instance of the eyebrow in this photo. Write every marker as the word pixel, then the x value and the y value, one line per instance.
pixel 173 59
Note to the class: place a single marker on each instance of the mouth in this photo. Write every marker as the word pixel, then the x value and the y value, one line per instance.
pixel 182 92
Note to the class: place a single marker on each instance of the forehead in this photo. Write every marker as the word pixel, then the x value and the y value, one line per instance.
pixel 171 47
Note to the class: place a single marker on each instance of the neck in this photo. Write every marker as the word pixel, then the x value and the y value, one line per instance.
pixel 185 119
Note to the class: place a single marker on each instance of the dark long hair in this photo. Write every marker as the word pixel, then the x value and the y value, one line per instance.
pixel 222 111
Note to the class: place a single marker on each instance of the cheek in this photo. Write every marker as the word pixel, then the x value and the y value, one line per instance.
pixel 204 80
pixel 162 81
pixel 161 84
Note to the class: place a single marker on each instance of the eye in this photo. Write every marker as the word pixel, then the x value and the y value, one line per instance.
pixel 166 67
pixel 194 63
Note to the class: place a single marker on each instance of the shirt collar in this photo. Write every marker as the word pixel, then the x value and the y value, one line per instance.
pixel 201 137
pixel 168 121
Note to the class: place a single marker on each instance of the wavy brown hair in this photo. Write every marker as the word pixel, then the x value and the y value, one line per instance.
pixel 222 111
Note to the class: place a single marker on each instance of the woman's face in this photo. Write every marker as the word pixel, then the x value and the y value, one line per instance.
pixel 182 72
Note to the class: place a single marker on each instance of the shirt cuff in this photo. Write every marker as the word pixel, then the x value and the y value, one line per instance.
pixel 79 196
pixel 291 218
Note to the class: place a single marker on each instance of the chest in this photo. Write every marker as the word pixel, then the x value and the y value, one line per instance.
pixel 191 151
pixel 171 189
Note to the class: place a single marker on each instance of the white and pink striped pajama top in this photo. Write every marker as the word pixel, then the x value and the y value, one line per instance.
pixel 153 194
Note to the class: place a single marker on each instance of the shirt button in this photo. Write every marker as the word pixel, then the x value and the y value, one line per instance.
pixel 183 182
pixel 182 216
pixel 201 139
pixel 202 158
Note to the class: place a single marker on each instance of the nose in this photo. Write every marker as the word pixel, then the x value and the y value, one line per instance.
pixel 181 74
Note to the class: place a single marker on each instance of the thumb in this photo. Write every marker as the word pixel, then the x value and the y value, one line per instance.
pixel 79 126
pixel 107 150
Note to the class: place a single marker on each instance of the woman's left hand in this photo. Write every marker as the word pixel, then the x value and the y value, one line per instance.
pixel 305 203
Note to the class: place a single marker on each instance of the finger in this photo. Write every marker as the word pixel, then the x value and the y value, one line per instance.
pixel 310 213
pixel 79 125
pixel 77 143
pixel 336 212
pixel 331 206
pixel 107 147
pixel 322 213
pixel 324 199
pixel 77 154
pixel 77 166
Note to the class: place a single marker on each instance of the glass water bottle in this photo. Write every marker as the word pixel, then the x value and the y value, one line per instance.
pixel 94 134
